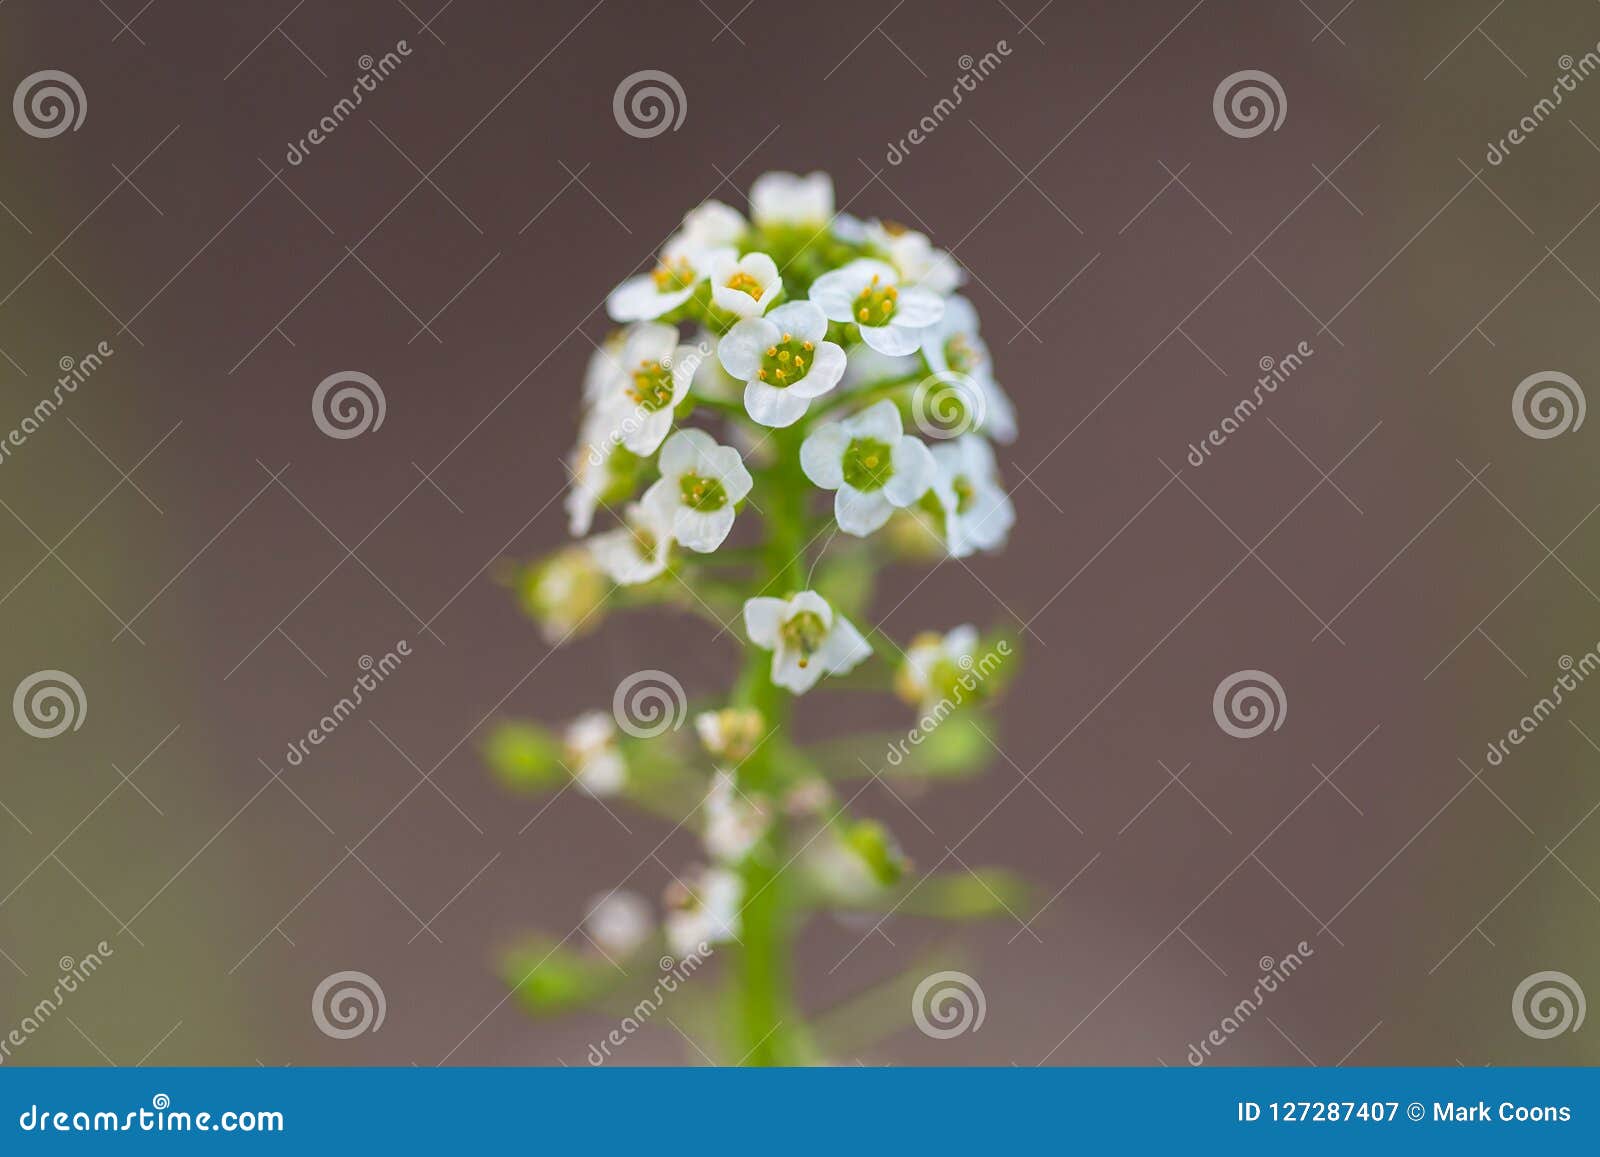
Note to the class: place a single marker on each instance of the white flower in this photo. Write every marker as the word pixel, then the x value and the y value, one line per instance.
pixel 865 366
pixel 806 638
pixel 603 375
pixel 712 225
pixel 699 485
pixel 732 733
pixel 915 257
pixel 786 199
pixel 744 286
pixel 637 552
pixel 956 353
pixel 564 593
pixel 619 922
pixel 977 510
pixel 590 466
pixel 871 463
pixel 592 755
pixel 669 285
pixel 706 912
pixel 868 293
pixel 934 663
pixel 783 361
pixel 734 824
pixel 656 376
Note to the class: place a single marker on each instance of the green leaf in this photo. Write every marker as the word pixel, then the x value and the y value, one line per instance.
pixel 977 895
pixel 524 756
pixel 547 978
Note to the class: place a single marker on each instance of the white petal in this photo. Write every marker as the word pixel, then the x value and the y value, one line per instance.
pixel 772 406
pixel 647 342
pixel 999 415
pixel 881 420
pixel 739 351
pixel 738 302
pixel 822 455
pixel 643 430
pixel 763 619
pixel 827 367
pixel 784 198
pixel 814 603
pixel 724 464
pixel 832 293
pixel 713 223
pixel 702 530
pixel 804 319
pixel 893 339
pixel 788 673
pixel 917 307
pixel 861 512
pixel 683 451
pixel 844 649
pixel 913 472
pixel 638 299
pixel 617 553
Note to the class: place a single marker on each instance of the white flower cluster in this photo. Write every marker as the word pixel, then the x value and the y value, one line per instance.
pixel 797 317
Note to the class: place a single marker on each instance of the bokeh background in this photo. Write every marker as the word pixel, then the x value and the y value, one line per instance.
pixel 1381 536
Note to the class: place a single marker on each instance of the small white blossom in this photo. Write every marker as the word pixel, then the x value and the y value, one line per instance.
pixel 868 293
pixel 806 638
pixel 590 467
pixel 934 663
pixel 977 510
pixel 734 823
pixel 565 593
pixel 915 257
pixel 603 376
pixel 592 755
pixel 712 226
pixel 637 551
pixel 865 366
pixel 655 378
pixel 732 733
pixel 953 347
pixel 619 922
pixel 871 464
pixel 744 286
pixel 783 361
pixel 700 484
pixel 704 912
pixel 669 285
pixel 787 199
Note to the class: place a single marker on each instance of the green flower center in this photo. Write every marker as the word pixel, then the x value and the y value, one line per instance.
pixel 785 363
pixel 804 633
pixel 966 493
pixel 875 304
pixel 960 356
pixel 652 386
pixel 867 464
pixel 702 493
pixel 673 274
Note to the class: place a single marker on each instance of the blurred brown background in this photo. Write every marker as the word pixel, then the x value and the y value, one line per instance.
pixel 1133 263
